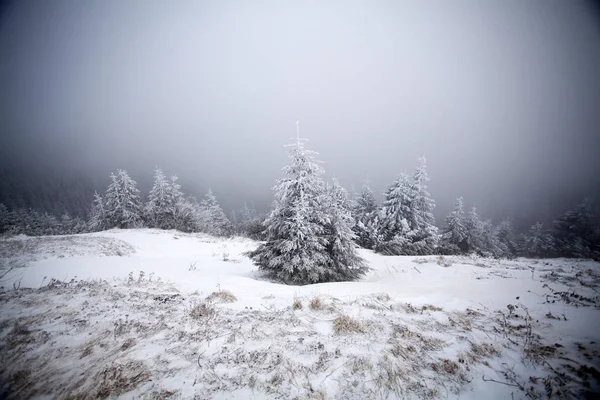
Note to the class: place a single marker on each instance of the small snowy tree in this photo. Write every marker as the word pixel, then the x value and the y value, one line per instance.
pixel 215 221
pixel 537 242
pixel 574 232
pixel 4 218
pixel 123 206
pixel 490 244
pixel 423 232
pixel 162 201
pixel 393 228
pixel 475 239
pixel 251 223
pixel 50 224
pixel 67 224
pixel 98 218
pixel 454 232
pixel 296 248
pixel 507 238
pixel 158 211
pixel 345 263
pixel 188 215
pixel 364 212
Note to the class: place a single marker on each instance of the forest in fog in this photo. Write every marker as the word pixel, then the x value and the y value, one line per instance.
pixel 402 223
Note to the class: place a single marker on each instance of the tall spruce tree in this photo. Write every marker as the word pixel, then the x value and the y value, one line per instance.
pixel 345 262
pixel 423 232
pixel 537 242
pixel 507 238
pixel 393 228
pixel 98 218
pixel 123 204
pixel 158 211
pixel 300 235
pixel 364 212
pixel 215 221
pixel 574 232
pixel 453 235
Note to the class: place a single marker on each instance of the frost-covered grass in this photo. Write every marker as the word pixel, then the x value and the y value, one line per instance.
pixel 87 324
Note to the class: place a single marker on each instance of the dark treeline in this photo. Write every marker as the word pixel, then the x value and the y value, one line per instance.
pixel 46 191
pixel 403 224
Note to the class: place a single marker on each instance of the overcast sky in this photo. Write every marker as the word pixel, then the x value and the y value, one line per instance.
pixel 502 97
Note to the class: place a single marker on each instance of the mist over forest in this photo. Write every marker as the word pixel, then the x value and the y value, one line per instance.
pixel 307 199
pixel 501 98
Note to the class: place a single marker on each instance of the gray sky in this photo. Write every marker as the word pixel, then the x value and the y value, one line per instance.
pixel 502 97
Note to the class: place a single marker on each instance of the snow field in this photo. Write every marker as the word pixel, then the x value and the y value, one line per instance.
pixel 159 314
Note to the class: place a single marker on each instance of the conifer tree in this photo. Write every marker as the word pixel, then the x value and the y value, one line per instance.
pixel 507 238
pixel 4 218
pixel 299 233
pixel 98 217
pixel 537 242
pixel 215 221
pixel 474 226
pixel 364 211
pixel 423 232
pixel 158 214
pixel 393 228
pixel 490 245
pixel 123 206
pixel 345 263
pixel 574 231
pixel 454 232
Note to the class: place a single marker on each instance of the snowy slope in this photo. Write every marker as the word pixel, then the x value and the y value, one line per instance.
pixel 148 313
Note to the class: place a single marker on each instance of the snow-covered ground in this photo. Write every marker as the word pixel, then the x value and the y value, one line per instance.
pixel 161 314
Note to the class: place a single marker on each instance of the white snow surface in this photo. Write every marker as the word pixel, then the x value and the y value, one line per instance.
pixel 147 314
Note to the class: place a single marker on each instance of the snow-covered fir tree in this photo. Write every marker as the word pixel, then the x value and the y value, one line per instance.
pixel 70 225
pixel 123 205
pixel 574 232
pixel 162 201
pixel 406 223
pixel 188 215
pixel 345 263
pixel 507 238
pixel 475 233
pixel 537 242
pixel 490 245
pixel 364 212
pixel 393 229
pixel 299 232
pixel 5 220
pixel 250 223
pixel 423 233
pixel 215 222
pixel 98 220
pixel 453 234
pixel 158 211
pixel 51 225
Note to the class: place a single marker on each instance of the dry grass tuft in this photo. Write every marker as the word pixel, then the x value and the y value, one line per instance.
pixel 88 350
pixel 224 296
pixel 431 307
pixel 297 305
pixel 116 378
pixel 382 297
pixel 127 344
pixel 316 303
pixel 203 310
pixel 409 308
pixel 478 353
pixel 443 262
pixel 345 324
pixel 451 368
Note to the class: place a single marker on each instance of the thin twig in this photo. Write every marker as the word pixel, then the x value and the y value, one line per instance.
pixel 503 383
